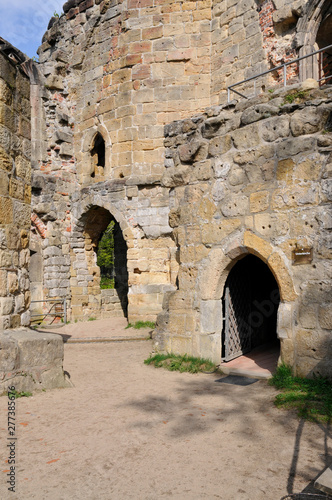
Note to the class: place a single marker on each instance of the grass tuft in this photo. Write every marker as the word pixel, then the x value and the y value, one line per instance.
pixel 21 394
pixel 312 398
pixel 141 324
pixel 296 96
pixel 106 283
pixel 182 364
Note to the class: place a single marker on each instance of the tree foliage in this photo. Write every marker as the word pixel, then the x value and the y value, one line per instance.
pixel 105 252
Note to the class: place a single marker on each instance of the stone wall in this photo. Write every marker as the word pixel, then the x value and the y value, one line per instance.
pixel 119 71
pixel 15 191
pixel 253 36
pixel 112 75
pixel 28 360
pixel 253 178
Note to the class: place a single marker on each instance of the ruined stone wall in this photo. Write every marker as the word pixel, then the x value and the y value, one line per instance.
pixel 123 70
pixel 113 74
pixel 15 192
pixel 253 178
pixel 253 36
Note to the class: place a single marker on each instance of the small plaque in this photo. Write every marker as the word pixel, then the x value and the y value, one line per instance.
pixel 302 256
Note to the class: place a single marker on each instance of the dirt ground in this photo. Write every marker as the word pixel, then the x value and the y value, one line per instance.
pixel 130 431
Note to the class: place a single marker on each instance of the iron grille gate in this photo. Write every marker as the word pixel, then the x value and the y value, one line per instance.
pixel 237 307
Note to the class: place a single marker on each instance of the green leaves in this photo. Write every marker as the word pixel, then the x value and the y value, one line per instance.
pixel 105 256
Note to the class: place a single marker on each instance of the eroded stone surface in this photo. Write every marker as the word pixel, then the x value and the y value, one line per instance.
pixel 31 361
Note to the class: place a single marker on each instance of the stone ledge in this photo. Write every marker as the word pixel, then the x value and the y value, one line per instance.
pixel 31 361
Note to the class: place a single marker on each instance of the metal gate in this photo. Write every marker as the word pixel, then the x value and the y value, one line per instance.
pixel 237 307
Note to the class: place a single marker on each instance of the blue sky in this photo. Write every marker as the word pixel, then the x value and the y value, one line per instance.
pixel 23 22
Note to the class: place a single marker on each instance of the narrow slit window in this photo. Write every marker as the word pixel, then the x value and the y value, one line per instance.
pixel 98 156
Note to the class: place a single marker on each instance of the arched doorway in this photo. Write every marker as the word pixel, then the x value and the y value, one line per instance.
pixel 324 39
pixel 314 33
pixel 89 298
pixel 250 305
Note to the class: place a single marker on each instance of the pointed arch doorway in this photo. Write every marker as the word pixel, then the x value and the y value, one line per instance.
pixel 250 304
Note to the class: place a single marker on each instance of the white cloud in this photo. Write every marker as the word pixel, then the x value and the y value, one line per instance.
pixel 23 22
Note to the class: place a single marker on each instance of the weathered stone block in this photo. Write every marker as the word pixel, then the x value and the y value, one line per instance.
pixel 246 137
pixel 257 245
pixel 4 183
pixel 307 121
pixel 211 316
pixel 291 147
pixel 6 210
pixel 325 316
pixel 259 201
pixel 6 306
pixel 220 145
pixel 234 206
pixel 189 152
pixel 212 275
pixel 274 128
pixel 258 112
pixel 283 277
pixel 54 82
pixel 6 162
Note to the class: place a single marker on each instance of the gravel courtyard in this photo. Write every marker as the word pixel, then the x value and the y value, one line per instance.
pixel 129 431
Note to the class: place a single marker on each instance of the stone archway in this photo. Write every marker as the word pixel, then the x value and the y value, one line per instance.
pixel 314 33
pixel 88 299
pixel 213 276
pixel 250 304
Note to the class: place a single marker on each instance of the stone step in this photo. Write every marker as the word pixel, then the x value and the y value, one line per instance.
pixel 324 482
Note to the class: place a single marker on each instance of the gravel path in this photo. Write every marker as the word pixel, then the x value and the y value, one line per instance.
pixel 130 431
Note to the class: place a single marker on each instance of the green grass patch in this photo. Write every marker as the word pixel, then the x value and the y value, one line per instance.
pixel 106 283
pixel 141 324
pixel 21 394
pixel 184 363
pixel 296 96
pixel 312 398
pixel 92 319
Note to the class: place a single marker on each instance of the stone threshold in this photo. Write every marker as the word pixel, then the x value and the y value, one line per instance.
pixel 242 372
pixel 104 339
pixel 260 363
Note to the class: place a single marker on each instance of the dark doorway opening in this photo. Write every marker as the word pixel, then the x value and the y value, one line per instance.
pixel 250 305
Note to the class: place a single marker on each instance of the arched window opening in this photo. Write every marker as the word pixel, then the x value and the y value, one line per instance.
pixel 250 305
pixel 324 39
pixel 98 154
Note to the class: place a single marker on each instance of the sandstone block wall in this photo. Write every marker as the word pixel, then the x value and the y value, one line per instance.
pixel 252 36
pixel 15 194
pixel 254 178
pixel 120 70
pixel 113 74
